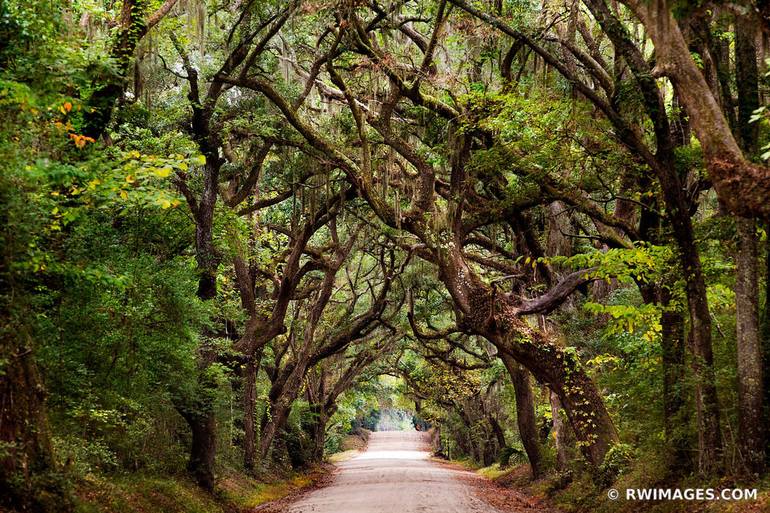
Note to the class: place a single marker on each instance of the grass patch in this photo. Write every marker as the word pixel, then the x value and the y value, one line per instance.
pixel 494 471
pixel 339 457
pixel 140 493
pixel 247 493
pixel 144 494
pixel 465 463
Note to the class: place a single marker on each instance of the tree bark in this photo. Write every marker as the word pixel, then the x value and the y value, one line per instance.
pixel 279 414
pixel 206 255
pixel 482 310
pixel 672 342
pixel 26 459
pixel 747 83
pixel 495 316
pixel 30 479
pixel 749 350
pixel 525 412
pixel 203 449
pixel 497 430
pixel 709 428
pixel 674 412
pixel 287 385
pixel 319 431
pixel 766 340
pixel 748 344
pixel 249 414
pixel 199 414
pixel 564 374
pixel 743 187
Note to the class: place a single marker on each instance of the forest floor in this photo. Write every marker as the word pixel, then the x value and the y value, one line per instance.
pixel 581 495
pixel 148 493
pixel 397 474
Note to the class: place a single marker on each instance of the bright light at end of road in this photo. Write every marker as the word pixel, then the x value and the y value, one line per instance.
pixel 393 455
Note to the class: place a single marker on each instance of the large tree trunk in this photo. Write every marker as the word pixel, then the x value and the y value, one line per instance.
pixel 674 412
pixel 30 480
pixel 198 411
pixel 766 339
pixel 747 83
pixel 318 432
pixel 750 379
pixel 202 419
pixel 282 396
pixel 249 414
pixel 525 412
pixel 197 408
pixel 495 316
pixel 743 187
pixel 266 436
pixel 709 429
pixel 279 414
pixel 26 459
pixel 488 449
pixel 206 254
pixel 497 430
pixel 203 448
pixel 749 348
pixel 563 373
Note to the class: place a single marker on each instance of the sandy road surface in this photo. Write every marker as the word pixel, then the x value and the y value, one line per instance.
pixel 394 475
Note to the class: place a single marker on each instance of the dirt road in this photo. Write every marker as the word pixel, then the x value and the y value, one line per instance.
pixel 394 475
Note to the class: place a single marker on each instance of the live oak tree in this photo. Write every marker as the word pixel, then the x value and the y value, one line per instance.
pixel 493 214
pixel 479 308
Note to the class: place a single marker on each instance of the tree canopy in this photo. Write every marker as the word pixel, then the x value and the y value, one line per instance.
pixel 235 232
